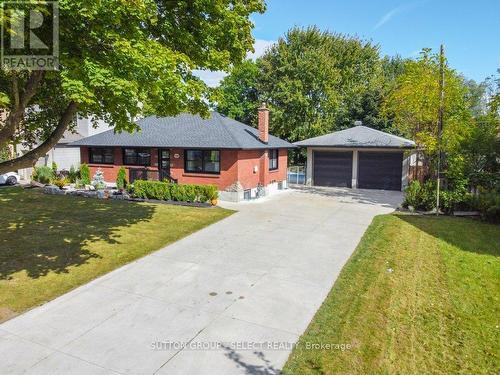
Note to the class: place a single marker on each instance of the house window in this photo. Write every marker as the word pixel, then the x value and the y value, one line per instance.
pixel 101 155
pixel 273 159
pixel 202 161
pixel 137 156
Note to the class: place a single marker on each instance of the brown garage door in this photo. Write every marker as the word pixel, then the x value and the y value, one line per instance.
pixel 332 168
pixel 380 170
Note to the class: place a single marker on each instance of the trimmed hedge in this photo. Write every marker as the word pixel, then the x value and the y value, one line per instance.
pixel 168 191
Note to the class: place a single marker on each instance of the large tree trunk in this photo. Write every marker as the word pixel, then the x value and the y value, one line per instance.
pixel 21 101
pixel 31 157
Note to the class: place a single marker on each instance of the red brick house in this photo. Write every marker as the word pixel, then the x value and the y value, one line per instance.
pixel 240 160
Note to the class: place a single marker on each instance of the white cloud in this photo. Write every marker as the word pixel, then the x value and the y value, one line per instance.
pixel 213 79
pixel 399 9
pixel 387 17
pixel 260 47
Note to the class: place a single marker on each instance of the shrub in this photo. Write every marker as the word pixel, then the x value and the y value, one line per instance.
pixel 151 190
pixel 62 174
pixel 121 178
pixel 85 174
pixel 169 191
pixel 79 184
pixel 488 204
pixel 412 197
pixel 60 182
pixel 177 193
pixel 423 197
pixel 43 174
pixel 54 168
pixel 98 179
pixel 420 196
pixel 73 175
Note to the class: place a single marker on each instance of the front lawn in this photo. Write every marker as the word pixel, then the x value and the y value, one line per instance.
pixel 421 295
pixel 51 244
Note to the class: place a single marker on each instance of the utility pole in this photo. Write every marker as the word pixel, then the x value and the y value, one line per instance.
pixel 440 121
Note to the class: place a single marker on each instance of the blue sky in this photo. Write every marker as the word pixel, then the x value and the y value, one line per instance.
pixel 470 29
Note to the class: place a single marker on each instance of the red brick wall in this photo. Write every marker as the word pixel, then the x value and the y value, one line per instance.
pixel 236 165
pixel 247 160
pixel 111 170
pixel 280 173
pixel 228 174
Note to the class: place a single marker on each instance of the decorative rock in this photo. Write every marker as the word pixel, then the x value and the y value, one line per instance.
pixel 51 189
pixel 101 194
pixel 36 184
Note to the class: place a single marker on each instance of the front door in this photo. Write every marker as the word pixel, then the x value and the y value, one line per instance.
pixel 164 163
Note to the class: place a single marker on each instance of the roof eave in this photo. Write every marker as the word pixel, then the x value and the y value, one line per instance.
pixel 356 146
pixel 263 147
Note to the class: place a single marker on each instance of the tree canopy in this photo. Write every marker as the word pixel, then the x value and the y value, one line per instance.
pixel 313 81
pixel 471 121
pixel 238 95
pixel 413 104
pixel 120 60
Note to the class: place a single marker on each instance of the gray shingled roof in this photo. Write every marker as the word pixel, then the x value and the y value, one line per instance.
pixel 187 131
pixel 358 136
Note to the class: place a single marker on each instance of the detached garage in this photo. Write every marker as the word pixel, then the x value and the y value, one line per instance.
pixel 359 157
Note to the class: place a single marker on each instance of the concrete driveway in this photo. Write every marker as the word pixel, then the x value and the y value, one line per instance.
pixel 229 299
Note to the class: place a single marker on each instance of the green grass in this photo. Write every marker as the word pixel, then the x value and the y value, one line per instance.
pixel 52 244
pixel 438 311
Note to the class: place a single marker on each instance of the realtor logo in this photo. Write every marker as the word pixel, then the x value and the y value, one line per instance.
pixel 30 35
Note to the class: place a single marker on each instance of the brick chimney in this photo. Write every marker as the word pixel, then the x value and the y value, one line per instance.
pixel 264 123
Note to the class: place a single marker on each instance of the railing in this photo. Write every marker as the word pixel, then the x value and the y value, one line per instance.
pixel 296 174
pixel 143 174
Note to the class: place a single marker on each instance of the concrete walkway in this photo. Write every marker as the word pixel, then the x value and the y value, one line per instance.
pixel 229 299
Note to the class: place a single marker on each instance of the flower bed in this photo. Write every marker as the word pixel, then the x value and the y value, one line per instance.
pixel 147 191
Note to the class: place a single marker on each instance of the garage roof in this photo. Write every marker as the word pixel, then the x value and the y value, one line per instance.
pixel 358 136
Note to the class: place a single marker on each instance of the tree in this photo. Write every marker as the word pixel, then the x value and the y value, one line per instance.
pixel 120 60
pixel 238 93
pixel 493 94
pixel 413 106
pixel 315 80
pixel 480 153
